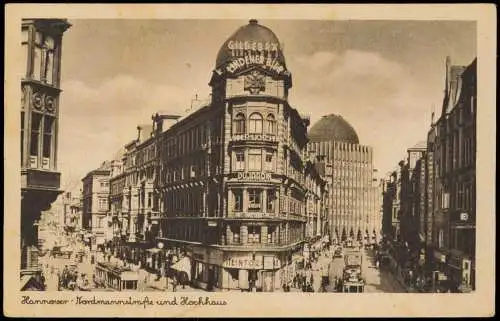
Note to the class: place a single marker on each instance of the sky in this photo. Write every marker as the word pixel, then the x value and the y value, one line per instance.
pixel 384 77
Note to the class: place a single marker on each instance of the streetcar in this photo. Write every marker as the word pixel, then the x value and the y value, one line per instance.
pixel 112 277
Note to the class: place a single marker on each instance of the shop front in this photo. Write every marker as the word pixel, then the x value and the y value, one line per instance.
pixel 459 270
pixel 250 271
pixel 205 267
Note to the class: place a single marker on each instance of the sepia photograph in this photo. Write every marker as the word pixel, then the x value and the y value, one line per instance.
pixel 202 156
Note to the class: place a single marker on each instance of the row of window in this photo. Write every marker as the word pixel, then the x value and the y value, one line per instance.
pixel 255 124
pixel 254 234
pixel 255 159
pixel 145 155
pixel 464 196
pixel 43 67
pixel 41 136
pixel 186 202
pixel 189 141
pixel 254 200
pixel 183 172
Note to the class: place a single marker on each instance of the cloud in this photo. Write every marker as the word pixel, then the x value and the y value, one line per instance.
pixel 96 120
pixel 381 98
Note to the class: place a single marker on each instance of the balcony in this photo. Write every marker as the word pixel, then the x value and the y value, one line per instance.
pixel 38 179
pixel 254 215
pixel 257 246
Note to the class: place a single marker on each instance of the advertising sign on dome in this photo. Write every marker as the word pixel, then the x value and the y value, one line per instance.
pixel 254 53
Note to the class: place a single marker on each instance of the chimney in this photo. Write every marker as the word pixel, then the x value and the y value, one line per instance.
pixel 139 133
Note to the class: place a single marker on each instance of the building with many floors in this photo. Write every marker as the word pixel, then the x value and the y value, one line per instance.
pixel 354 199
pixel 429 202
pixel 232 185
pixel 40 87
pixel 454 178
pixel 95 198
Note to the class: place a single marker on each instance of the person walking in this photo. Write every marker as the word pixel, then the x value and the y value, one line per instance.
pixel 174 284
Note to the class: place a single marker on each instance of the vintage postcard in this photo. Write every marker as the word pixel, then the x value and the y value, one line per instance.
pixel 249 160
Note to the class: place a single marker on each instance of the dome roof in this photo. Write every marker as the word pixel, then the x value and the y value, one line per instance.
pixel 252 32
pixel 333 128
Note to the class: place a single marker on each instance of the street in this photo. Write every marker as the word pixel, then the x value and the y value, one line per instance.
pixel 377 281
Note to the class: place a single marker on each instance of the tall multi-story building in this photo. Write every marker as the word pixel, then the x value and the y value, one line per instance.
pixel 454 198
pixel 232 185
pixel 133 211
pixel 353 201
pixel 40 180
pixel 233 173
pixel 95 197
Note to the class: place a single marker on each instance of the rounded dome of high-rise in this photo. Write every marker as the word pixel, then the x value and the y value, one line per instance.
pixel 333 128
pixel 252 34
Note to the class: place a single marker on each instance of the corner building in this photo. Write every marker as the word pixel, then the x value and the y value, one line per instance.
pixel 234 175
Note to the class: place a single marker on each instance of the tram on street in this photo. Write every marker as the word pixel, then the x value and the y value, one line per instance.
pixel 110 276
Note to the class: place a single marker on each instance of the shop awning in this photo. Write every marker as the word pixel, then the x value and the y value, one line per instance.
pixel 153 250
pixel 184 265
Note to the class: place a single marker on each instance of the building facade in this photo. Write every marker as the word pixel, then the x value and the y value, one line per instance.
pixel 232 185
pixel 234 172
pixel 429 202
pixel 454 184
pixel 40 87
pixel 95 197
pixel 354 201
pixel 72 212
pixel 133 212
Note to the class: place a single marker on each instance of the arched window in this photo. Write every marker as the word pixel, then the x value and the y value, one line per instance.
pixel 239 124
pixel 271 124
pixel 255 123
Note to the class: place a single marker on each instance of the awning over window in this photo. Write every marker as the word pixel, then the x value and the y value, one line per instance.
pixel 184 265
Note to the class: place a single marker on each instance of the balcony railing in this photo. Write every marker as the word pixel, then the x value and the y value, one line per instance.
pixel 257 215
pixel 32 178
pixel 257 245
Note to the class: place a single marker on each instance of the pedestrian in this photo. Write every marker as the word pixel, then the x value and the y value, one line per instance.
pixel 174 284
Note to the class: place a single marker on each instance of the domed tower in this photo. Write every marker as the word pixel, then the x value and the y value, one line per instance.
pixel 352 204
pixel 250 62
pixel 256 168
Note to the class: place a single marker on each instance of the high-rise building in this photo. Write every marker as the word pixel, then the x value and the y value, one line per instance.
pixel 40 181
pixel 353 202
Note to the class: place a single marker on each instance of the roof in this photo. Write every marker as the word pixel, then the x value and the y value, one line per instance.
pixel 420 145
pixel 333 128
pixel 453 85
pixel 251 32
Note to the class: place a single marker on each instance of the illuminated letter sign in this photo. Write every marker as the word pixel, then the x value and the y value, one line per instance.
pixel 252 53
pixel 254 176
